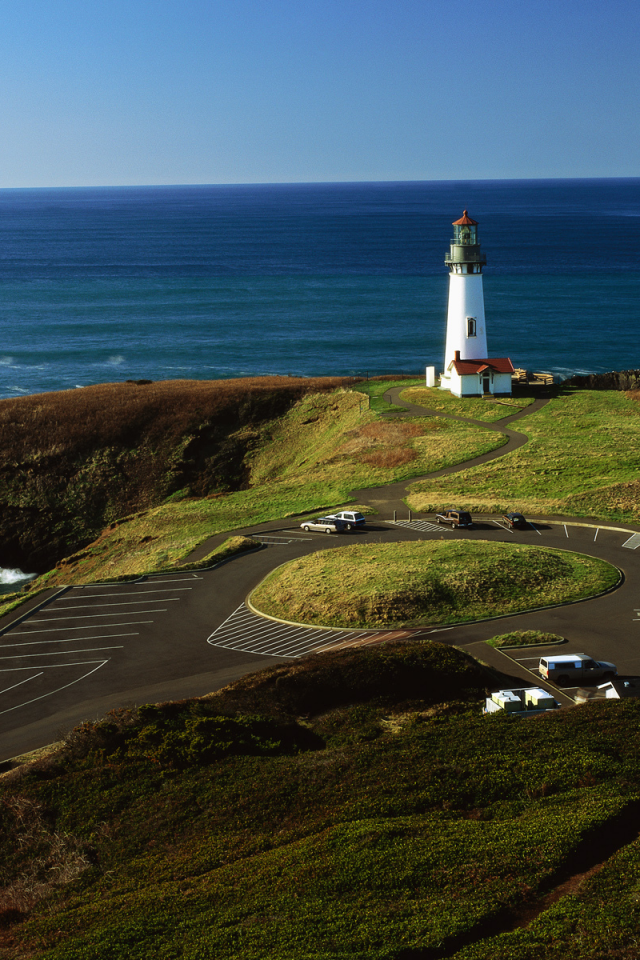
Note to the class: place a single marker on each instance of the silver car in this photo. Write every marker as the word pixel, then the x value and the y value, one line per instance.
pixel 325 525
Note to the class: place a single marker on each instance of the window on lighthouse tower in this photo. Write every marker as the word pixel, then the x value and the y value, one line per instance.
pixel 471 327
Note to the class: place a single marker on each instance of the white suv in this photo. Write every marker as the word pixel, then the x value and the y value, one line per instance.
pixel 352 518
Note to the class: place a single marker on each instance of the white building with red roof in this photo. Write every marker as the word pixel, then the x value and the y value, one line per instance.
pixel 468 372
pixel 477 378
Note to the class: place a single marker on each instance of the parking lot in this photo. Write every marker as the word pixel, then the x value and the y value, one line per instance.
pixel 78 632
pixel 186 634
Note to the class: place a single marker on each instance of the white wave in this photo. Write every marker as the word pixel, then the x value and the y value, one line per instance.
pixel 115 361
pixel 13 575
pixel 6 361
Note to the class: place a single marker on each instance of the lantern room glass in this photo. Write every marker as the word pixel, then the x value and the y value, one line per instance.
pixel 465 234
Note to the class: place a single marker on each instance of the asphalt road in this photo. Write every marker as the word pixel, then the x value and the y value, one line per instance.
pixel 85 650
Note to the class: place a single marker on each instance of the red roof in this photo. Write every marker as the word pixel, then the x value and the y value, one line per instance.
pixel 497 364
pixel 465 220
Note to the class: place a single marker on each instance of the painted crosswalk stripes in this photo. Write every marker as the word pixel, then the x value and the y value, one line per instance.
pixel 633 542
pixel 246 632
pixel 425 526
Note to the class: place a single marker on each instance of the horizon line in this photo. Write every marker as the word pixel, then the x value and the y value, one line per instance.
pixel 287 183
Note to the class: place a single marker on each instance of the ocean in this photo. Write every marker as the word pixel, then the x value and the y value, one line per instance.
pixel 109 284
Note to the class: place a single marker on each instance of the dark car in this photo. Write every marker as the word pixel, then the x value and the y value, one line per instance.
pixel 515 520
pixel 455 517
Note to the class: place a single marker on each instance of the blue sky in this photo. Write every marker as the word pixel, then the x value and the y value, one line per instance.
pixel 249 91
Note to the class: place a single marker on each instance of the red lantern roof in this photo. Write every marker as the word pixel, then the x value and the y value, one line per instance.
pixel 465 221
pixel 497 364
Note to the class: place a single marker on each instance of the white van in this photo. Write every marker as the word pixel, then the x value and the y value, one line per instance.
pixel 569 668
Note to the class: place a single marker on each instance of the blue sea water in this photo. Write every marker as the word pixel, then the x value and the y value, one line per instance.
pixel 108 284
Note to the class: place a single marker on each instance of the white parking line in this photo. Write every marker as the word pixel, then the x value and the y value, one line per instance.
pixel 93 616
pixel 566 531
pixel 275 536
pixel 503 525
pixel 633 542
pixel 19 684
pixel 177 579
pixel 51 666
pixel 101 636
pixel 87 626
pixel 49 641
pixel 126 603
pixel 25 656
pixel 120 593
pixel 81 663
pixel 533 527
pixel 595 536
pixel 271 542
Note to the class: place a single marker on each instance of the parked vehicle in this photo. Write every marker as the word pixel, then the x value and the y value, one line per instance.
pixel 515 520
pixel 569 668
pixel 352 518
pixel 325 525
pixel 455 517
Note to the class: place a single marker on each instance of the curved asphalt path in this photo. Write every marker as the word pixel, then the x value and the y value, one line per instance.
pixel 392 494
pixel 85 650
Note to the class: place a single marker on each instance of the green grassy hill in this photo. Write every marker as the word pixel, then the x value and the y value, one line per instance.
pixel 427 583
pixel 353 804
pixel 73 462
pixel 582 460
pixel 245 465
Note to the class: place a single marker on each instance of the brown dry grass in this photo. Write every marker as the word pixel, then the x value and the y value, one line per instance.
pixel 47 425
pixel 388 459
pixel 75 461
pixel 54 858
pixel 383 444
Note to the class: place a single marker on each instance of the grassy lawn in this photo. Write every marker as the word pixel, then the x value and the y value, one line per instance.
pixel 392 820
pixel 582 459
pixel 11 601
pixel 375 390
pixel 525 638
pixel 475 407
pixel 308 460
pixel 411 584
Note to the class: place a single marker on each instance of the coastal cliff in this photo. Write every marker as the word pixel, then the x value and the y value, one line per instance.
pixel 75 461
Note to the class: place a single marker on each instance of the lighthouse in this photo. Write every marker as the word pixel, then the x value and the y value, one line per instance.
pixel 468 371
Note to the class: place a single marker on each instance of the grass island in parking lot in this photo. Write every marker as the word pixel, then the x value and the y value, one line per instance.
pixel 428 582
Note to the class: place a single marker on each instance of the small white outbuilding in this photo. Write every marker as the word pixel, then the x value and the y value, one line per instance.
pixel 479 378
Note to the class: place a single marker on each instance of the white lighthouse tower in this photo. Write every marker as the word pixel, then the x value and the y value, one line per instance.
pixel 466 330
pixel 467 369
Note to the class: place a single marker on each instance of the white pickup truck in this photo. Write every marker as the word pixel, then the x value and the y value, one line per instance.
pixel 570 668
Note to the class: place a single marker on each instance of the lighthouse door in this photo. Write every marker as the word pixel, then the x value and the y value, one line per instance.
pixel 486 384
